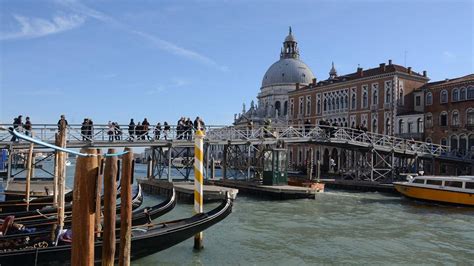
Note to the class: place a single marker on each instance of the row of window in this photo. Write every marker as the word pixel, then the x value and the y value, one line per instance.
pixel 437 182
pixel 461 94
pixel 338 101
pixel 455 118
pixel 411 126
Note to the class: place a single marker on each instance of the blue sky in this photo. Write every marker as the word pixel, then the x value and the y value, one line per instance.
pixel 113 60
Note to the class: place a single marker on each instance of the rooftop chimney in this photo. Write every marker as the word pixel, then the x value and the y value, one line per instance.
pixel 314 81
pixel 409 70
pixel 382 67
pixel 360 72
pixel 424 73
pixel 390 61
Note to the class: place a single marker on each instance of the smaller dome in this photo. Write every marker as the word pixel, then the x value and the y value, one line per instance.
pixel 290 38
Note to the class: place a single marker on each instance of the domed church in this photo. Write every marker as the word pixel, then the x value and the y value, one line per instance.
pixel 280 78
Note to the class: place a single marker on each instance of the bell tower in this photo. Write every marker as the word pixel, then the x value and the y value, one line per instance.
pixel 290 47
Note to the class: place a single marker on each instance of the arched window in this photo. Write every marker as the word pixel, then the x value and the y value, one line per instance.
pixel 374 125
pixel 453 142
pixel 470 93
pixel 353 104
pixel 278 107
pixel 285 108
pixel 429 98
pixel 337 103
pixel 318 106
pixel 333 103
pixel 443 119
pixel 365 100
pixel 387 126
pixel 419 125
pixel 455 118
pixel 347 101
pixel 462 95
pixel 444 96
pixel 401 100
pixel 401 126
pixel 329 105
pixel 375 97
pixel 470 117
pixel 444 142
pixel 455 95
pixel 462 144
pixel 325 105
pixel 470 144
pixel 429 120
pixel 387 95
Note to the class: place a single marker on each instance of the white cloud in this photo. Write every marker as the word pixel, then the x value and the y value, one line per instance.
pixel 31 27
pixel 158 42
pixel 449 55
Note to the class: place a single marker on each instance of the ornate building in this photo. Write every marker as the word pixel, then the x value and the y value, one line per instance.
pixel 278 80
pixel 370 99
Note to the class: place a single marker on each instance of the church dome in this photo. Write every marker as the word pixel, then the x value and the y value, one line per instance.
pixel 287 71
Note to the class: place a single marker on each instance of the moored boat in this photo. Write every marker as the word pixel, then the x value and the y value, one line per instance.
pixel 444 189
pixel 146 240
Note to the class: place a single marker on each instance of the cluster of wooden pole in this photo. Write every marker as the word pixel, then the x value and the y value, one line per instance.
pixel 87 207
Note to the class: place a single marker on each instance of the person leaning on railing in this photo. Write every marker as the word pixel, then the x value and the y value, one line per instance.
pixel 62 123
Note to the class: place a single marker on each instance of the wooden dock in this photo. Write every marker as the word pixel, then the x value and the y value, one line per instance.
pixel 185 190
pixel 357 185
pixel 277 192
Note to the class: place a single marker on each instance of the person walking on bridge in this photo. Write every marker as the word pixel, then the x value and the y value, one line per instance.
pixel 27 127
pixel 166 130
pixel 131 130
pixel 157 131
pixel 146 128
pixel 62 123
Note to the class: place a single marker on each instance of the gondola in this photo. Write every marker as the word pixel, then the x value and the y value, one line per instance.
pixel 146 240
pixel 41 219
pixel 139 217
pixel 36 203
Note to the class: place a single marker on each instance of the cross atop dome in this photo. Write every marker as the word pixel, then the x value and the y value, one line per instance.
pixel 290 47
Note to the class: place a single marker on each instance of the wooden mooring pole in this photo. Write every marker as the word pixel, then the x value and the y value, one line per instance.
pixel 28 176
pixel 83 209
pixel 56 172
pixel 110 201
pixel 61 177
pixel 126 208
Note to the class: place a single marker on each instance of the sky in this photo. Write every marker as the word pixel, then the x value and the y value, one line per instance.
pixel 116 60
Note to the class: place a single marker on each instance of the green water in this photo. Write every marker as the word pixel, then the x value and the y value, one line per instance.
pixel 335 228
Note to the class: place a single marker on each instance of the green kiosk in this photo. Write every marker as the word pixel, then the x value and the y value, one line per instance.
pixel 275 165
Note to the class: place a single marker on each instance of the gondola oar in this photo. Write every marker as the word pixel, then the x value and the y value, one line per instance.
pixel 45 144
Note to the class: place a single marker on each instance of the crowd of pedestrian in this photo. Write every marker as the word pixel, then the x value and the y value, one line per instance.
pixel 185 128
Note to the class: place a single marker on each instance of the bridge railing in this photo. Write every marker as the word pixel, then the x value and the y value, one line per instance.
pixel 103 133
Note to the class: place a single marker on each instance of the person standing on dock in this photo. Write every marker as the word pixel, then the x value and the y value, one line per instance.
pixel 27 127
pixel 131 130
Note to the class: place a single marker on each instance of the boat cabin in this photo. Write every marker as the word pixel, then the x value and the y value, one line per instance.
pixel 461 182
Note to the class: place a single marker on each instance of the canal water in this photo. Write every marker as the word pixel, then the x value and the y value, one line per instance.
pixel 337 227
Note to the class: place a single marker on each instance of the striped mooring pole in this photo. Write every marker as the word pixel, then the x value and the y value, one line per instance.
pixel 198 181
